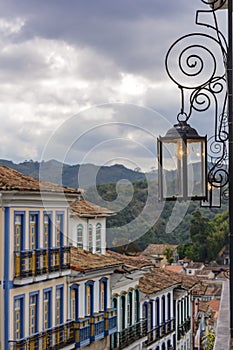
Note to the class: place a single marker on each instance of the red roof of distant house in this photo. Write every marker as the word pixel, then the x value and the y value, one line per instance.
pixel 158 249
pixel 175 268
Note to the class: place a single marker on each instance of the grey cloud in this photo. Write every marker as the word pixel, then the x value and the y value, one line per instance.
pixel 105 38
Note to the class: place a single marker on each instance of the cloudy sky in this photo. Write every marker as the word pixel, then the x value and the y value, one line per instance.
pixel 84 81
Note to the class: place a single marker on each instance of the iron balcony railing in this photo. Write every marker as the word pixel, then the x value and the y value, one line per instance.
pixel 93 328
pixel 53 338
pixel 184 328
pixel 97 326
pixel 129 335
pixel 110 321
pixel 160 331
pixel 82 332
pixel 37 262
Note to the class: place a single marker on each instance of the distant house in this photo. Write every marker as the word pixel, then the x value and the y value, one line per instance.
pixel 192 268
pixel 156 253
pixel 205 274
pixel 175 268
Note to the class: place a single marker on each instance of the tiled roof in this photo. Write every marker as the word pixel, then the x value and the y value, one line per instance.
pixel 157 249
pixel 204 273
pixel 203 306
pixel 211 309
pixel 159 279
pixel 81 260
pixel 214 290
pixel 12 180
pixel 84 208
pixel 195 265
pixel 134 262
pixel 175 268
pixel 199 289
pixel 214 304
pixel 222 275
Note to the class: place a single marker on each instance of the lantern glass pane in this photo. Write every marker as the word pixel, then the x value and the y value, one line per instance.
pixel 196 176
pixel 172 169
pixel 216 197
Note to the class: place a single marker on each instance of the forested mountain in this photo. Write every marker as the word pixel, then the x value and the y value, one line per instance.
pixel 51 170
pixel 158 222
pixel 140 218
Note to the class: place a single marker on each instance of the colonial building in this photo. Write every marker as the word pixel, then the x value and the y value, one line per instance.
pixel 34 263
pixel 87 226
pixel 60 289
pixel 90 299
pixel 53 295
pixel 167 308
pixel 157 253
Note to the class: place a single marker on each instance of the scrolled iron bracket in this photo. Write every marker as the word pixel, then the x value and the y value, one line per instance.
pixel 202 86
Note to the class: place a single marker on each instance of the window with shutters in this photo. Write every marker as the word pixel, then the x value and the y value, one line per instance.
pixel 58 230
pixel 46 231
pixel 33 226
pixel 33 314
pixel 18 232
pixel 80 236
pixel 18 318
pixel 90 238
pixel 74 302
pixel 103 295
pixel 89 298
pixel 47 316
pixel 98 238
pixel 58 306
pixel 130 308
pixel 136 306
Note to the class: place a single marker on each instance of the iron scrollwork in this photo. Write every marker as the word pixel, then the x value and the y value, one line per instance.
pixel 203 86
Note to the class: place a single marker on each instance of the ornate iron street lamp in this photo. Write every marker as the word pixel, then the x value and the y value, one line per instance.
pixel 178 149
pixel 182 164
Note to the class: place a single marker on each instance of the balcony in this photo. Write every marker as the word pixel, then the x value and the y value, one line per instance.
pixel 97 326
pixel 82 332
pixel 129 335
pixel 53 338
pixel 160 331
pixel 94 328
pixel 36 263
pixel 110 321
pixel 184 328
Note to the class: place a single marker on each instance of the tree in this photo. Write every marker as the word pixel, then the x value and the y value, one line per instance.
pixel 199 231
pixel 210 336
pixel 168 252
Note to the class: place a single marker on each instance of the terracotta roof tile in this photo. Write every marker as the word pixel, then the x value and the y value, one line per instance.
pixel 195 265
pixel 81 260
pixel 158 279
pixel 12 180
pixel 84 208
pixel 213 289
pixel 157 249
pixel 175 268
pixel 199 289
pixel 214 304
pixel 135 262
pixel 203 306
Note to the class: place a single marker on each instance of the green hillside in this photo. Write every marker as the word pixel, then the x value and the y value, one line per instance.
pixel 159 224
